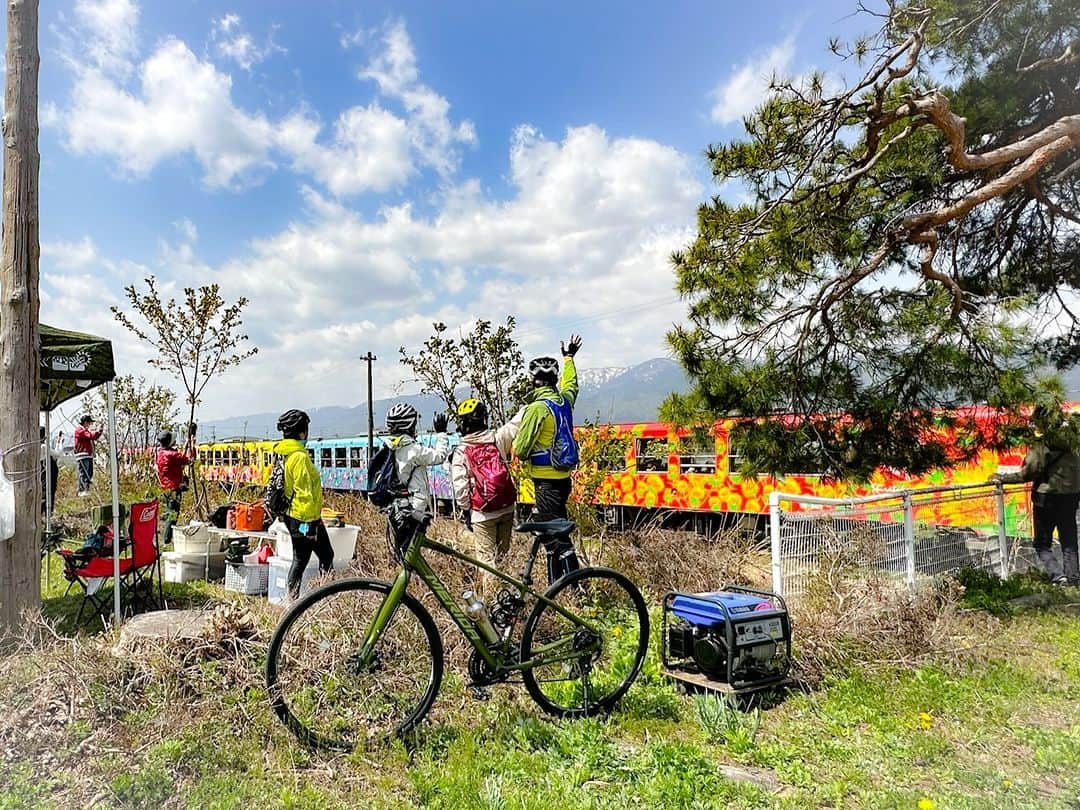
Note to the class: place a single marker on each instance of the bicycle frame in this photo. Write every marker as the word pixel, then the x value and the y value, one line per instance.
pixel 414 562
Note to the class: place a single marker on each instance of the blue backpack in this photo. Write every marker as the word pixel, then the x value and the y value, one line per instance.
pixel 563 453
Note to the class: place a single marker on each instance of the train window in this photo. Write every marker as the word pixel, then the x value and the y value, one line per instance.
pixel 734 459
pixel 340 459
pixel 652 455
pixel 217 457
pixel 311 455
pixel 697 454
pixel 610 454
pixel 326 457
pixel 356 457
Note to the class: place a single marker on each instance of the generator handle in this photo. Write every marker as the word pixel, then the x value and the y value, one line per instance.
pixel 665 606
pixel 757 592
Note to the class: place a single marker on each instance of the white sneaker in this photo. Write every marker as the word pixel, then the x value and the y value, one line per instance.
pixel 83 494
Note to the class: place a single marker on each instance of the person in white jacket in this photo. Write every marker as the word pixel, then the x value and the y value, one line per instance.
pixel 483 488
pixel 413 458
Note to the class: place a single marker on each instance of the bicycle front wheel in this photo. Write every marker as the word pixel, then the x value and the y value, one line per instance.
pixel 584 667
pixel 325 693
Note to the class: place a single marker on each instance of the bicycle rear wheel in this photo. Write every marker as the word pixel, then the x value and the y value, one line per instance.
pixel 595 666
pixel 321 690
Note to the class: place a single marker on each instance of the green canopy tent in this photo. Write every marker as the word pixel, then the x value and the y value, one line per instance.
pixel 72 363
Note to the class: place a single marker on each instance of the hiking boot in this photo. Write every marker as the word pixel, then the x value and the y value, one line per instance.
pixel 1070 563
pixel 1050 566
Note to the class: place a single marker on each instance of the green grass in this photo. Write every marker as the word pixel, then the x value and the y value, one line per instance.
pixel 985 591
pixel 999 729
pixel 1003 732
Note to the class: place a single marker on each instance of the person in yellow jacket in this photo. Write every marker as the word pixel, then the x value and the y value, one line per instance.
pixel 303 490
pixel 550 403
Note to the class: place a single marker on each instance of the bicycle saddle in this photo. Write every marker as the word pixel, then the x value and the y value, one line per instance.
pixel 556 527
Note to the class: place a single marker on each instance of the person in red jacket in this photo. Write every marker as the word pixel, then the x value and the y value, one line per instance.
pixel 170 464
pixel 85 436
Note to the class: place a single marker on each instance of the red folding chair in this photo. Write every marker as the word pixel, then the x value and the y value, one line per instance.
pixel 146 558
pixel 137 568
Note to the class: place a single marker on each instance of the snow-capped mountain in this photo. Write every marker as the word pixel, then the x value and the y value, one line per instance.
pixel 596 377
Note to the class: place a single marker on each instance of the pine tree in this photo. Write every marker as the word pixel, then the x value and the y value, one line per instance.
pixel 911 243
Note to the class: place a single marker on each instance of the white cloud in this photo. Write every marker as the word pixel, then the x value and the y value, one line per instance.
pixel 748 85
pixel 227 23
pixel 369 150
pixel 232 41
pixel 141 114
pixel 187 229
pixel 352 39
pixel 434 135
pixel 109 28
pixel 70 255
pixel 182 104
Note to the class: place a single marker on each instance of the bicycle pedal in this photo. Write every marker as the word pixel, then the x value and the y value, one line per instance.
pixel 479 693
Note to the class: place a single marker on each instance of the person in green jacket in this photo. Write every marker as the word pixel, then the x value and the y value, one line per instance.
pixel 303 490
pixel 553 393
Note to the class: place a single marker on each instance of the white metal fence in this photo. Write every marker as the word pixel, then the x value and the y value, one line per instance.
pixel 908 535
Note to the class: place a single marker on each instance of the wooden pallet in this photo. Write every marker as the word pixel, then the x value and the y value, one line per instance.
pixel 699 681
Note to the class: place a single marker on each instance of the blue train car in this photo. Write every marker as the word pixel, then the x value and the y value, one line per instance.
pixel 342 464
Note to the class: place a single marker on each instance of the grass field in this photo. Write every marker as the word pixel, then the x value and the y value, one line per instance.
pixel 994 724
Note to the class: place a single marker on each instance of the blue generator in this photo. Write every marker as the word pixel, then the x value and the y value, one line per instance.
pixel 739 636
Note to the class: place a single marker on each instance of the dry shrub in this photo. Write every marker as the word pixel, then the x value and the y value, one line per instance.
pixel 52 686
pixel 876 621
pixel 659 560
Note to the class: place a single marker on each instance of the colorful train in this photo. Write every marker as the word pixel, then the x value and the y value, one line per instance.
pixel 654 469
pixel 342 463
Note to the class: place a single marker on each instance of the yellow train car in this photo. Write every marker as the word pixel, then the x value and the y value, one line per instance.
pixel 236 461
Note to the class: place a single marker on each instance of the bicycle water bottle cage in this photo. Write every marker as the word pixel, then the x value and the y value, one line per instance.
pixel 560 527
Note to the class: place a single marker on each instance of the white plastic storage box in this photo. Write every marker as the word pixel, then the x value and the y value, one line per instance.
pixel 193 539
pixel 342 540
pixel 278 586
pixel 247 578
pixel 177 567
pixel 283 546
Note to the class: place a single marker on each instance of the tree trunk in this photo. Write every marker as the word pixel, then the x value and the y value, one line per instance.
pixel 20 586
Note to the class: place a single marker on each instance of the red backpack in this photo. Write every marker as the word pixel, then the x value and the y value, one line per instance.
pixel 492 487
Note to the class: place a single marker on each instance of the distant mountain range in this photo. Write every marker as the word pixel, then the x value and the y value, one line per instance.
pixel 607 395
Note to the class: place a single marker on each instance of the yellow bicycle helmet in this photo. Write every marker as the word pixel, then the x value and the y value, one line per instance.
pixel 472 414
pixel 470 406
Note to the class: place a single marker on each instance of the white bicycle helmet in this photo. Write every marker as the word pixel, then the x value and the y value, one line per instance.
pixel 543 368
pixel 402 418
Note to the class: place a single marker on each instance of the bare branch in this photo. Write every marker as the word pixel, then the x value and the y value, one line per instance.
pixel 1067 57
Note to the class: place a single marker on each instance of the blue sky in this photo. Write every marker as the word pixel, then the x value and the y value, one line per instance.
pixel 360 170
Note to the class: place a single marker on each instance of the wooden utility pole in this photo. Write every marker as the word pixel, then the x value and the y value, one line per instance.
pixel 370 414
pixel 20 586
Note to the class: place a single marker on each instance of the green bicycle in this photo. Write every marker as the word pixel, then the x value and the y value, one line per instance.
pixel 359 661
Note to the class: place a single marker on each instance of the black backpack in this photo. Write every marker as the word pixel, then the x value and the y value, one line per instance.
pixel 274 495
pixel 384 485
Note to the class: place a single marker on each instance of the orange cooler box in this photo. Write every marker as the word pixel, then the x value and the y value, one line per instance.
pixel 249 517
